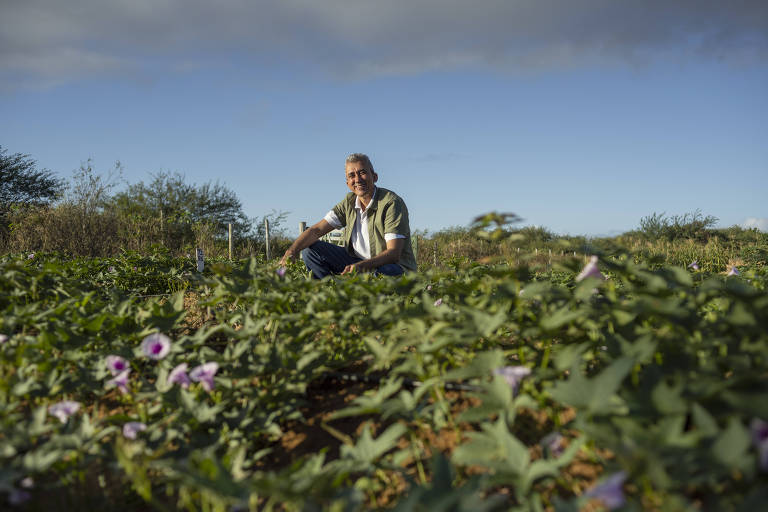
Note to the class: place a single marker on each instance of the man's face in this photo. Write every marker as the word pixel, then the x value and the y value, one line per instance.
pixel 360 180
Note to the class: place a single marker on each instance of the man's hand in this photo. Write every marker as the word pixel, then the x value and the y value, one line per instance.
pixel 305 239
pixel 288 256
pixel 360 266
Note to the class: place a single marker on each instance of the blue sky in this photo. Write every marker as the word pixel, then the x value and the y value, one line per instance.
pixel 580 116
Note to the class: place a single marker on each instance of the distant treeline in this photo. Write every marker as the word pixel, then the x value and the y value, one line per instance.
pixel 88 216
pixel 676 240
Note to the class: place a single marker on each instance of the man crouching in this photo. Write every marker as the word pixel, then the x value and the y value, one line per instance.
pixel 377 237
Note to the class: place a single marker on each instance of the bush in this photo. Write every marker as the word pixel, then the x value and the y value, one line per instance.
pixel 692 225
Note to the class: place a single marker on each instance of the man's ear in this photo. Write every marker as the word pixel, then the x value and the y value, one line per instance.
pixel 375 177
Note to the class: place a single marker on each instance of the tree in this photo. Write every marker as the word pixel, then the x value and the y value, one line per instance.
pixel 23 184
pixel 91 191
pixel 180 208
pixel 168 196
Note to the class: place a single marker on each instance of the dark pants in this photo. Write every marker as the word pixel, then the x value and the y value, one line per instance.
pixel 324 259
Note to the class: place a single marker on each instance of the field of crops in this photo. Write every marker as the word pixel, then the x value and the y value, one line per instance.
pixel 137 383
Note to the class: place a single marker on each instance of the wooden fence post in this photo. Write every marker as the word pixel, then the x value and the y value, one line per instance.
pixel 266 236
pixel 302 227
pixel 230 240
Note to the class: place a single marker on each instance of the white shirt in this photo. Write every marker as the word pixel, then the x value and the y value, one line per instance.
pixel 360 243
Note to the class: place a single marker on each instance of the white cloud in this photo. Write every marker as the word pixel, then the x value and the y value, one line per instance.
pixel 373 37
pixel 755 222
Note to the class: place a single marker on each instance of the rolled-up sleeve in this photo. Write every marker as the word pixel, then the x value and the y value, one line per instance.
pixel 333 219
pixel 396 221
pixel 337 217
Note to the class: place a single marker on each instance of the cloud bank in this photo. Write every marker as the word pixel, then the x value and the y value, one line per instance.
pixel 51 40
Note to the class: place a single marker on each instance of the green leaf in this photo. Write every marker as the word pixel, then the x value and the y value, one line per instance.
pixel 598 394
pixel 667 398
pixel 731 445
pixel 704 421
pixel 368 449
pixel 561 317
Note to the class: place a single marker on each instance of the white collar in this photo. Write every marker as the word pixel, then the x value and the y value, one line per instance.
pixel 359 206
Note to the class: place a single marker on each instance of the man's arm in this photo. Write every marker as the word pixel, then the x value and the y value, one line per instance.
pixel 307 238
pixel 390 255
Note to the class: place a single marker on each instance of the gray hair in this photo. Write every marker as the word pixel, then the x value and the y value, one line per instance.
pixel 360 158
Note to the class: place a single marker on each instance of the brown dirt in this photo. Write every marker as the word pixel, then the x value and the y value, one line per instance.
pixel 304 438
pixel 319 432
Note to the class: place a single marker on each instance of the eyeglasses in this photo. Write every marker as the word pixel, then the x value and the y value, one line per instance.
pixel 362 173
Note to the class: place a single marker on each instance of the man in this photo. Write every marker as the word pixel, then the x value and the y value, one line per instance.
pixel 376 231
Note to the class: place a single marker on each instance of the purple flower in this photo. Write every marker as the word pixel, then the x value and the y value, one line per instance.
pixel 111 268
pixel 3 338
pixel 120 381
pixel 429 287
pixel 132 428
pixel 18 497
pixel 438 302
pixel 590 270
pixel 759 429
pixel 554 443
pixel 733 271
pixel 204 374
pixel 513 374
pixel 179 376
pixel 156 346
pixel 609 491
pixel 63 410
pixel 694 265
pixel 31 256
pixel 281 271
pixel 27 483
pixel 116 364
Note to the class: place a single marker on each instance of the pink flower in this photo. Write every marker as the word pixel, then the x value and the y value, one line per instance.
pixel 31 256
pixel 694 265
pixel 513 374
pixel 610 491
pixel 179 376
pixel 733 271
pixel 429 287
pixel 63 410
pixel 3 338
pixel 132 428
pixel 156 346
pixel 204 374
pixel 281 271
pixel 759 430
pixel 120 381
pixel 438 302
pixel 116 364
pixel 590 270
pixel 111 268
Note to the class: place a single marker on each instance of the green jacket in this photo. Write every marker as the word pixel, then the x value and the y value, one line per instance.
pixel 387 213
